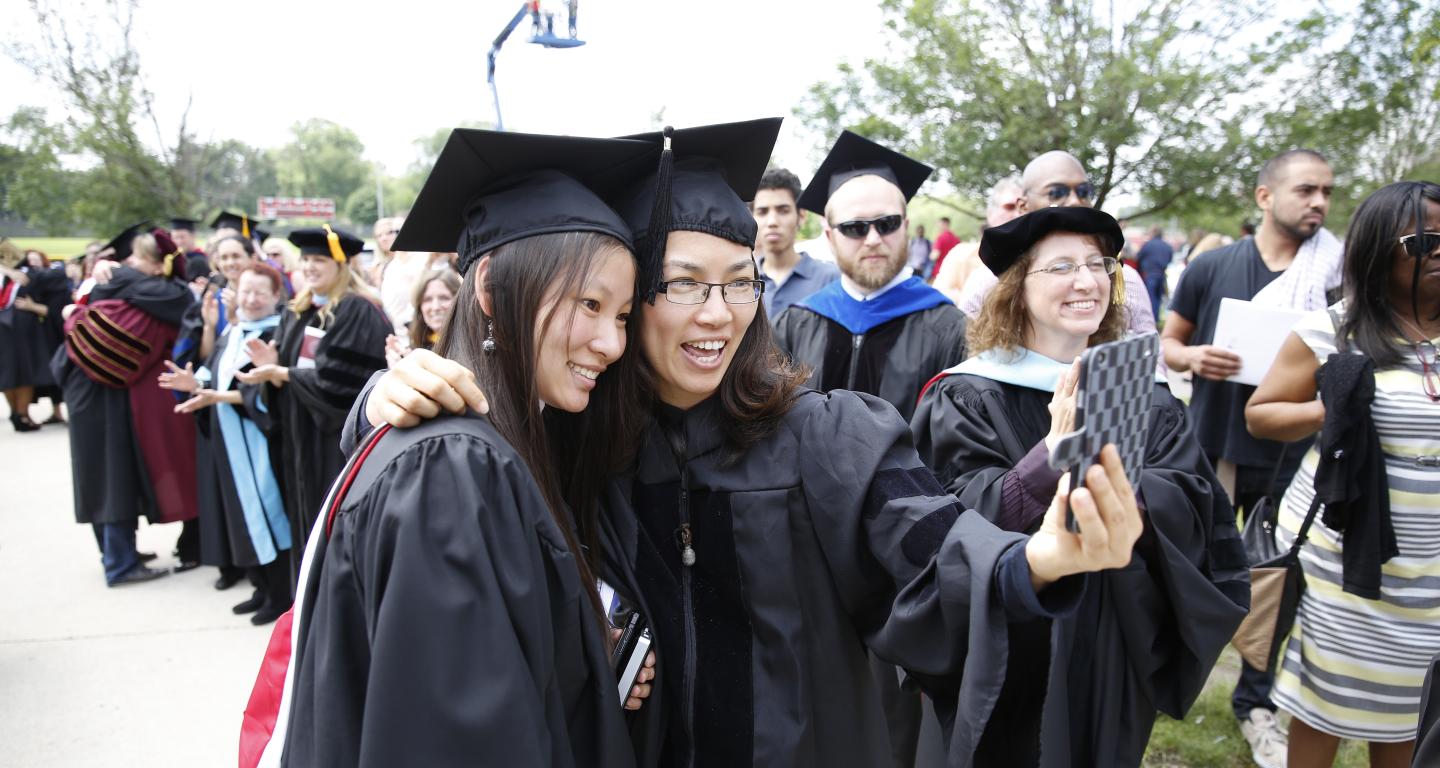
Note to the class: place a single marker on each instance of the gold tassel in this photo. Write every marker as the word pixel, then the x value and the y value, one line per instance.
pixel 245 225
pixel 169 267
pixel 1117 284
pixel 336 252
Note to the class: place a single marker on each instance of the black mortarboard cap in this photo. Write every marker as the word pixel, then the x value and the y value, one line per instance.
pixel 187 225
pixel 489 188
pixel 326 241
pixel 261 235
pixel 240 221
pixel 1002 246
pixel 702 185
pixel 854 155
pixel 123 241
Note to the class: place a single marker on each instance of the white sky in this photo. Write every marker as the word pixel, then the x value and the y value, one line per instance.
pixel 394 72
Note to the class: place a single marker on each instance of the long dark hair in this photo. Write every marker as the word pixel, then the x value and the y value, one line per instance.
pixel 1370 252
pixel 757 390
pixel 522 275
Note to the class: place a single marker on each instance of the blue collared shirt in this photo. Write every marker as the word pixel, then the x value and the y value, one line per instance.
pixel 809 276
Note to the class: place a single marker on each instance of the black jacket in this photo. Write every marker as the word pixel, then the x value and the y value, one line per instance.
pixel 1351 478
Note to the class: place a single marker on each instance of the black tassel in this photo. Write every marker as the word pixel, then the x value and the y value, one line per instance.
pixel 653 260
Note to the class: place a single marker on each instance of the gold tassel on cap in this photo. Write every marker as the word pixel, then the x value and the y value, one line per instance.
pixel 169 267
pixel 336 252
pixel 245 225
pixel 1117 284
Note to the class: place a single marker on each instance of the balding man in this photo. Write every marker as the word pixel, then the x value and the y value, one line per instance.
pixel 1002 204
pixel 1056 178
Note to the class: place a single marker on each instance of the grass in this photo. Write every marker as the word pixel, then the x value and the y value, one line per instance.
pixel 1209 737
pixel 54 247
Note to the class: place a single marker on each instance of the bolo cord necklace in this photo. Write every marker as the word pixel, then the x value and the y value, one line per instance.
pixel 1429 369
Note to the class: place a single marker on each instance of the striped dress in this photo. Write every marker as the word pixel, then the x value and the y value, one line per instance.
pixel 1355 667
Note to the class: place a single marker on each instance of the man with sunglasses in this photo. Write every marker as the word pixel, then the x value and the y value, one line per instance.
pixel 1055 179
pixel 879 329
pixel 1293 261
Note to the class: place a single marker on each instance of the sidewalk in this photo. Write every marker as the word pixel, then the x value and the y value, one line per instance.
pixel 153 674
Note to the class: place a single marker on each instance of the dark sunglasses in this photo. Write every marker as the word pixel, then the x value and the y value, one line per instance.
pixel 858 229
pixel 1059 192
pixel 1421 244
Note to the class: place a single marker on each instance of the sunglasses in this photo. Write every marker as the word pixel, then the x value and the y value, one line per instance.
pixel 1059 192
pixel 1421 244
pixel 859 229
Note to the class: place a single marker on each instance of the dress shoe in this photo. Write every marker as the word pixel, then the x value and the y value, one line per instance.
pixel 23 423
pixel 187 565
pixel 228 579
pixel 138 574
pixel 267 613
pixel 250 606
pixel 146 557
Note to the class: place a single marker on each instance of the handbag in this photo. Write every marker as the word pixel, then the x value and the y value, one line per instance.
pixel 1258 535
pixel 1276 585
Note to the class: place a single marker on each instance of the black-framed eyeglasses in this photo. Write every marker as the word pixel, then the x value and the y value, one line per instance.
pixel 859 229
pixel 695 292
pixel 1421 244
pixel 1102 266
pixel 1058 193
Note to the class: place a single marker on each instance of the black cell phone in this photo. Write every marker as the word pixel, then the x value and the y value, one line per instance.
pixel 1112 405
pixel 629 655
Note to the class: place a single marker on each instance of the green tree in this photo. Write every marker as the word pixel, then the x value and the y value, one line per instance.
pixel 33 182
pixel 323 159
pixel 1147 102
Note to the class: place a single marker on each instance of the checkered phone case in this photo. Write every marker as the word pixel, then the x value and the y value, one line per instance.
pixel 1112 405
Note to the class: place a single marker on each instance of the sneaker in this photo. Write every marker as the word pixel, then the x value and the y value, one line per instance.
pixel 1268 741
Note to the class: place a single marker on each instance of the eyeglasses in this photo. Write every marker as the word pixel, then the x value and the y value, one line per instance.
pixel 1058 193
pixel 1422 244
pixel 1102 266
pixel 695 292
pixel 859 229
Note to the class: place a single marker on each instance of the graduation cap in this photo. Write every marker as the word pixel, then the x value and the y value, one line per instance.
pixel 182 225
pixel 1002 246
pixel 228 220
pixel 122 242
pixel 854 155
pixel 705 177
pixel 261 235
pixel 324 241
pixel 172 259
pixel 489 188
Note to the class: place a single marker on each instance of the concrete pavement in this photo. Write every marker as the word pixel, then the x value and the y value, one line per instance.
pixel 154 674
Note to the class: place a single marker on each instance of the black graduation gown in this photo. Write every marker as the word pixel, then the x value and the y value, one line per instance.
pixel 892 360
pixel 311 407
pixel 27 343
pixel 445 623
pixel 818 542
pixel 109 477
pixel 225 536
pixel 1146 636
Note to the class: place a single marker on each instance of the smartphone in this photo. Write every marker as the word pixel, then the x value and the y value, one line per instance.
pixel 1112 405
pixel 630 652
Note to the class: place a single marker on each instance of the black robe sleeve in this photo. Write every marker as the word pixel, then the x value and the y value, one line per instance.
pixel 165 300
pixel 353 348
pixel 921 576
pixel 448 627
pixel 1148 634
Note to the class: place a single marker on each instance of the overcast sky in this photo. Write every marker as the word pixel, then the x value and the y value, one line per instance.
pixel 395 71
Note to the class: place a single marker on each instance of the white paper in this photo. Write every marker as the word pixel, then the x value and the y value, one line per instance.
pixel 1254 333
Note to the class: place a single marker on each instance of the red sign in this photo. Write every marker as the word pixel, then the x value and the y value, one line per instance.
pixel 296 208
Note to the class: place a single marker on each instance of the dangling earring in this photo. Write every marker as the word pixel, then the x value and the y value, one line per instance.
pixel 488 345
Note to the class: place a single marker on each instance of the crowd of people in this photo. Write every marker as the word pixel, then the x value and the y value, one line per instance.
pixel 820 475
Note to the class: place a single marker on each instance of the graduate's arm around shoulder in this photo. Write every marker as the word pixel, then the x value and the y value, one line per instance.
pixel 445 563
